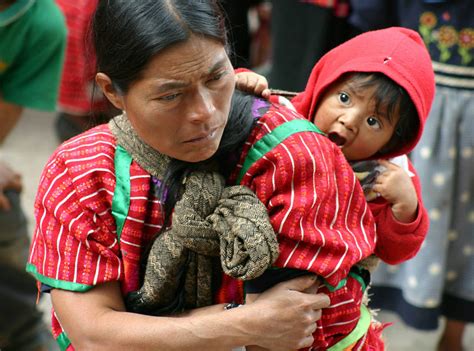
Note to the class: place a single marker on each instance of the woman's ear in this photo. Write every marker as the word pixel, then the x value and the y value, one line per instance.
pixel 105 84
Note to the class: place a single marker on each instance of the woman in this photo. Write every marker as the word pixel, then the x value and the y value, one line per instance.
pixel 164 64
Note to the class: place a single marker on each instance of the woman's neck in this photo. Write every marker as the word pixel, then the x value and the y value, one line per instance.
pixel 148 158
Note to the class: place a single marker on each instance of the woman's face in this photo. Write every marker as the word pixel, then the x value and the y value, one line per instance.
pixel 181 103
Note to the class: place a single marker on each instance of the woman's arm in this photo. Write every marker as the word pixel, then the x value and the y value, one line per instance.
pixel 282 318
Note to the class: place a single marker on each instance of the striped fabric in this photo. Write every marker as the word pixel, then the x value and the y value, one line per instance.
pixel 75 244
pixel 318 209
pixel 313 198
pixel 76 88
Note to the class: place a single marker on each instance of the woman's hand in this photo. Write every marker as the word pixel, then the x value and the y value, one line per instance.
pixel 396 186
pixel 285 316
pixel 282 318
pixel 253 83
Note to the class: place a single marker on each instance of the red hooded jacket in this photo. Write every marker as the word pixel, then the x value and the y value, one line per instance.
pixel 400 54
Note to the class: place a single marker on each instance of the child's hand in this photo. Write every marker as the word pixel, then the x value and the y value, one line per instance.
pixel 395 186
pixel 252 82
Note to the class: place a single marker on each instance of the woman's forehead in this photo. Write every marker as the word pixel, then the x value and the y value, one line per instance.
pixel 195 56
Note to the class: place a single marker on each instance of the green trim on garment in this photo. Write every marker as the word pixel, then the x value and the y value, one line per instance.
pixel 359 279
pixel 272 139
pixel 358 332
pixel 15 11
pixel 331 288
pixel 343 282
pixel 121 199
pixel 63 341
pixel 55 283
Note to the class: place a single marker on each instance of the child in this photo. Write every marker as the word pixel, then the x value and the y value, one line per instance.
pixel 371 96
pixel 374 108
pixel 315 204
pixel 312 199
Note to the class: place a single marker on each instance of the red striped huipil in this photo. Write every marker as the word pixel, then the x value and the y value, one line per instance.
pixel 75 244
pixel 319 211
pixel 313 198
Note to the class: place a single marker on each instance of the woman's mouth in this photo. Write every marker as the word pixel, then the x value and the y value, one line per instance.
pixel 337 139
pixel 203 137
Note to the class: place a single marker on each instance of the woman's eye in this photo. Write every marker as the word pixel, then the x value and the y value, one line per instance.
pixel 216 77
pixel 374 122
pixel 344 98
pixel 170 97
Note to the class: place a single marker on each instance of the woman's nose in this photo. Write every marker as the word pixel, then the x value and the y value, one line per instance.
pixel 202 107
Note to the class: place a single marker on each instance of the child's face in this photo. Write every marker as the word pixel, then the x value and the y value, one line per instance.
pixel 347 115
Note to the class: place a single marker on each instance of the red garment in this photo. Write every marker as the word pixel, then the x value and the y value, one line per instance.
pixel 77 81
pixel 400 54
pixel 75 242
pixel 319 211
pixel 314 200
pixel 341 8
pixel 74 245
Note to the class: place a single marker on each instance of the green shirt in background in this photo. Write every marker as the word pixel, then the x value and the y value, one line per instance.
pixel 32 44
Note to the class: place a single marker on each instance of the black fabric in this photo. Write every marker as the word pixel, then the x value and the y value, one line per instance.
pixel 238 27
pixel 301 34
pixel 270 278
pixel 457 308
pixel 391 299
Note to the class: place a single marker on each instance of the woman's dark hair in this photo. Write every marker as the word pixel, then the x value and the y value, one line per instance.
pixel 389 98
pixel 127 34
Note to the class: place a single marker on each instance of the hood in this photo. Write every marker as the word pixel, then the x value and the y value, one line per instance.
pixel 399 53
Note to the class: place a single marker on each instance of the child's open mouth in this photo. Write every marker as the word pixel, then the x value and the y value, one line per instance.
pixel 337 139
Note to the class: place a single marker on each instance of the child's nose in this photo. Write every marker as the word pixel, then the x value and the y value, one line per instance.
pixel 350 121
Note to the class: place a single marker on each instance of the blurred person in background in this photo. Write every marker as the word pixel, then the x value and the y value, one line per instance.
pixel 81 105
pixel 439 281
pixel 302 31
pixel 32 40
pixel 240 34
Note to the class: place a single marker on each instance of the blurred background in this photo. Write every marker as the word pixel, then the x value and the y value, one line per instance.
pixel 283 39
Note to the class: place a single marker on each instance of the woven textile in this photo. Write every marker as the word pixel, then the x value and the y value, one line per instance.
pixel 210 221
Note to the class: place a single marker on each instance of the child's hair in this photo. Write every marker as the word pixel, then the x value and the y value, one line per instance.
pixel 389 98
pixel 127 34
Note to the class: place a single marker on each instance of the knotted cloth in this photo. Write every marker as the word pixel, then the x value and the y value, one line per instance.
pixel 209 222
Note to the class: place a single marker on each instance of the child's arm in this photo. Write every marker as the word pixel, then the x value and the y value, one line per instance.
pixel 252 82
pixel 398 241
pixel 395 186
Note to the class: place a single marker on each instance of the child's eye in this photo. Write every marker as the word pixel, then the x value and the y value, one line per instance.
pixel 344 98
pixel 374 122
